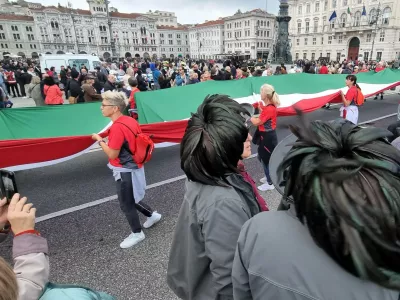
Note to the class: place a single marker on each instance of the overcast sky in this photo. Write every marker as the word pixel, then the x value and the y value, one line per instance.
pixel 187 11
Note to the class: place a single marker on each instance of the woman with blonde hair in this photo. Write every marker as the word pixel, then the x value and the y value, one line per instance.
pixel 35 92
pixel 266 123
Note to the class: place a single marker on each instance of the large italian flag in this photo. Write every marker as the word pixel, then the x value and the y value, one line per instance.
pixel 40 136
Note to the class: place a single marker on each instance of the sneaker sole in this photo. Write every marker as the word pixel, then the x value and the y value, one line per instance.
pixel 155 222
pixel 127 247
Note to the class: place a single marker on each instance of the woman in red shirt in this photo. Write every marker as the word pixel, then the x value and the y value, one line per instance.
pixel 349 110
pixel 266 123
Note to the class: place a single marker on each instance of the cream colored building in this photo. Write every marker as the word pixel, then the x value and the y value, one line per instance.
pixel 207 39
pixel 174 41
pixel 250 34
pixel 163 18
pixel 349 36
pixel 18 36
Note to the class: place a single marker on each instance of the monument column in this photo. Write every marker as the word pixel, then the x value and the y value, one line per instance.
pixel 282 48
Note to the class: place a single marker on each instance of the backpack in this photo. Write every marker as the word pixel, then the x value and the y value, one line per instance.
pixel 71 292
pixel 144 147
pixel 360 98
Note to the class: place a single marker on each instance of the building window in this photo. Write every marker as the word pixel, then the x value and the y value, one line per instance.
pixel 322 41
pixel 326 5
pixel 386 15
pixel 305 41
pixel 366 55
pixel 357 18
pixel 314 41
pixel 315 25
pixel 1 27
pixel 382 36
pixel 298 42
pixel 297 56
pixel 298 27
pixel 329 40
pixel 3 36
pixel 304 56
pixel 317 7
pixel 312 56
pixel 343 20
pixel 344 2
pixel 340 39
pixel 308 8
pixel 299 11
pixel 16 36
pixel 378 56
pixel 332 25
pixel 334 3
pixel 307 26
pixel 14 28
pixel 369 37
pixel 328 55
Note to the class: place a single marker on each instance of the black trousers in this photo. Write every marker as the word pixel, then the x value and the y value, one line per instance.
pixel 14 88
pixel 128 205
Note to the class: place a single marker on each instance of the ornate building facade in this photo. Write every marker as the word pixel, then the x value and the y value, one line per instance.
pixel 361 30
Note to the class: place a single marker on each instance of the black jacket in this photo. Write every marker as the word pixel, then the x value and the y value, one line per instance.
pixel 108 86
pixel 74 88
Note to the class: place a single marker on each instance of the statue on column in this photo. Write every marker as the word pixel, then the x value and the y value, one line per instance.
pixel 283 54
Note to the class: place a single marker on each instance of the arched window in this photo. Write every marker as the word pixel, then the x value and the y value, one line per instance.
pixel 357 18
pixel 268 23
pixel 52 24
pixel 343 20
pixel 56 24
pixel 372 16
pixel 387 12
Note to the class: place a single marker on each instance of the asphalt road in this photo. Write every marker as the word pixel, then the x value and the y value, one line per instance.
pixel 84 245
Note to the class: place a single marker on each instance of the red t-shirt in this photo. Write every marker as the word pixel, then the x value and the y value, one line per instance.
pixel 268 117
pixel 324 70
pixel 378 69
pixel 351 95
pixel 121 138
pixel 132 97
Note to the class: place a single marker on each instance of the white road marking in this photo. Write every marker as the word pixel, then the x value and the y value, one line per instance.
pixel 150 186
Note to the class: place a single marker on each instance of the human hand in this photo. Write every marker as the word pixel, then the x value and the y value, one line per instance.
pixel 20 215
pixel 3 212
pixel 96 137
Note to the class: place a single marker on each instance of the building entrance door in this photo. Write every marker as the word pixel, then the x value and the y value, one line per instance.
pixel 354 48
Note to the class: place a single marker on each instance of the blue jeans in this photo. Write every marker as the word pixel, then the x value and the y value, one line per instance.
pixel 267 175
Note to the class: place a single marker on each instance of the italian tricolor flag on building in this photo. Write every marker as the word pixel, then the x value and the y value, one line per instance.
pixel 39 136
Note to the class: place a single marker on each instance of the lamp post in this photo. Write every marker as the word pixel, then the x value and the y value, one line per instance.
pixel 113 50
pixel 73 25
pixel 378 13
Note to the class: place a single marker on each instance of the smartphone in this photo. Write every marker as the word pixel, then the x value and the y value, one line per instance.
pixel 8 186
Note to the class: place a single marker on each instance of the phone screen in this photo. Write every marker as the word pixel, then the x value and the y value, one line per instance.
pixel 7 185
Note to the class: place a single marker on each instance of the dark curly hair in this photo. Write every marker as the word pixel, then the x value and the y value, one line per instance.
pixel 345 184
pixel 213 141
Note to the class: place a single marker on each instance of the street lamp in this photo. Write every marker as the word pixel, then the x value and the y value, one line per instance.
pixel 73 25
pixel 374 31
pixel 113 50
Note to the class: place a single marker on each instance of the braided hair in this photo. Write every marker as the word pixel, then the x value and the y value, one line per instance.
pixel 344 181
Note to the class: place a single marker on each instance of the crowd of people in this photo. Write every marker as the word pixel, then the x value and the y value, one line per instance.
pixel 77 84
pixel 336 236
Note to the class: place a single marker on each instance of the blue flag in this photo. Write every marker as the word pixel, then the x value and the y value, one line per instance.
pixel 333 16
pixel 364 12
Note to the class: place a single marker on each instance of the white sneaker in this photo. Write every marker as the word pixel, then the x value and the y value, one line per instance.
pixel 25 97
pixel 266 187
pixel 132 240
pixel 263 180
pixel 155 218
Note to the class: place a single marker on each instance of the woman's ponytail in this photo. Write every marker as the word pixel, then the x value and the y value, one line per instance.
pixel 269 90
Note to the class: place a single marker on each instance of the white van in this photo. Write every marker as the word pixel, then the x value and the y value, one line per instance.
pixel 58 60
